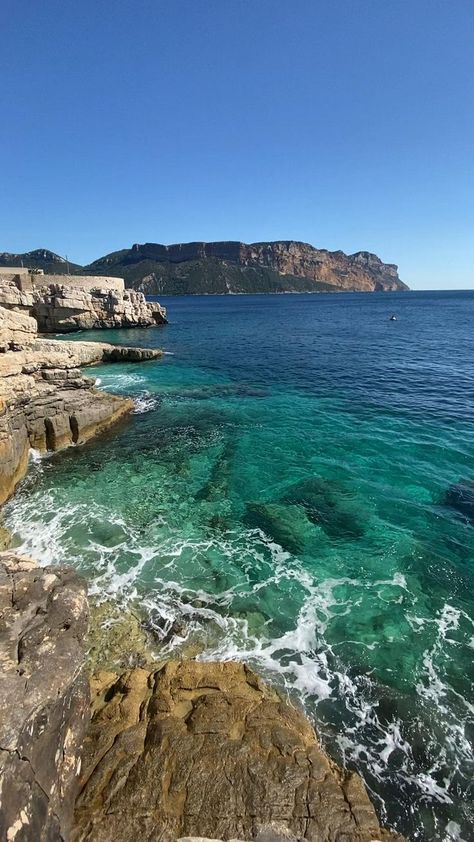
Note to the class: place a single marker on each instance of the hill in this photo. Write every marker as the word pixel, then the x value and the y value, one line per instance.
pixel 51 263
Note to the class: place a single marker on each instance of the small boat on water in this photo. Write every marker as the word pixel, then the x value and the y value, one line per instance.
pixel 393 318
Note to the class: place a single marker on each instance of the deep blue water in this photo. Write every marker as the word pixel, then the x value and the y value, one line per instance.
pixel 288 493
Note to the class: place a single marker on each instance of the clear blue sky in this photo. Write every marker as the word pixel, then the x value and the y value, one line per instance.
pixel 345 123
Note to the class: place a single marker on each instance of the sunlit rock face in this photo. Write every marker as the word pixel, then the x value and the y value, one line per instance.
pixel 208 750
pixel 257 267
pixel 62 304
pixel 46 403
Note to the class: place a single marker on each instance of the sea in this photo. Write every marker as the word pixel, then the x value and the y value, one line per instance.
pixel 295 489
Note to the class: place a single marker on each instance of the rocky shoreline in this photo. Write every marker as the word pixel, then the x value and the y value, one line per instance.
pixel 46 403
pixel 61 304
pixel 163 750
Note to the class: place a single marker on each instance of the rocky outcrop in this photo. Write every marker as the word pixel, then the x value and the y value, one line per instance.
pixel 44 698
pixel 15 329
pixel 118 637
pixel 206 749
pixel 45 401
pixel 61 305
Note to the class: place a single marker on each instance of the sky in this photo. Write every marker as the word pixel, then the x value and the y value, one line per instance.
pixel 348 124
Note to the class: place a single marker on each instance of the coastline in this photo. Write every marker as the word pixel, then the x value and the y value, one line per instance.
pixel 47 366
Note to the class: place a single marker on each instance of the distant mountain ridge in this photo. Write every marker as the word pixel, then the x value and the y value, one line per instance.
pixel 229 267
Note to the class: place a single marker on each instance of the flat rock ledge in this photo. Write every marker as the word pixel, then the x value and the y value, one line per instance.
pixel 46 403
pixel 198 749
pixel 44 698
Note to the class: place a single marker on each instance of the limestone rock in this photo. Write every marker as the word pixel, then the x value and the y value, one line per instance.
pixel 61 305
pixel 45 401
pixel 223 267
pixel 207 750
pixel 5 538
pixel 15 328
pixel 44 698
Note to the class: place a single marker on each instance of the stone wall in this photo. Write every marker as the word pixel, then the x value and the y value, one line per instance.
pixel 87 282
pixel 28 280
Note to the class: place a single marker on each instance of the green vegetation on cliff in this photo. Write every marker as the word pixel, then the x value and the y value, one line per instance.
pixel 229 267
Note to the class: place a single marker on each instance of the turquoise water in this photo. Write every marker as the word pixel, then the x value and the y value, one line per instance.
pixel 282 495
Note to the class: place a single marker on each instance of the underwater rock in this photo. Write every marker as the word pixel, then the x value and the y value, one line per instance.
pixel 460 496
pixel 117 638
pixel 217 485
pixel 326 504
pixel 207 749
pixel 285 524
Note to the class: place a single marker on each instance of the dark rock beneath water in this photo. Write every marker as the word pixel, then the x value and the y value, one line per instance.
pixel 285 524
pixel 216 488
pixel 327 504
pixel 44 697
pixel 460 496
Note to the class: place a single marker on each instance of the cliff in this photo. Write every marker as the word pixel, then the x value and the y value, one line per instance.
pixel 233 267
pixel 62 304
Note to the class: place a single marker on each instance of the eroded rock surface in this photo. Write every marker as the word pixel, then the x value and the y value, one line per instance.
pixel 207 750
pixel 46 403
pixel 44 698
pixel 62 305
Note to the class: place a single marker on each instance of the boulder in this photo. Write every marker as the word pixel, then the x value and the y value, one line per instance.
pixel 44 698
pixel 15 329
pixel 207 750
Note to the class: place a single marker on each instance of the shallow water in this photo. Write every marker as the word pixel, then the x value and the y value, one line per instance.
pixel 280 496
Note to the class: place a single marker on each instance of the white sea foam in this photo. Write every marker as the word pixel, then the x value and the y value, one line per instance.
pixel 453 832
pixel 300 656
pixel 122 381
pixel 145 402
